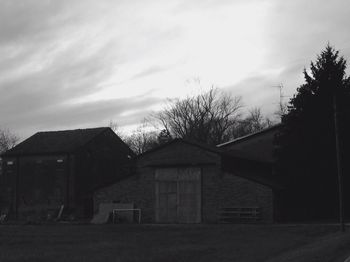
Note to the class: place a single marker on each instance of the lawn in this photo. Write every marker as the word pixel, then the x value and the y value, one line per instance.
pixel 168 243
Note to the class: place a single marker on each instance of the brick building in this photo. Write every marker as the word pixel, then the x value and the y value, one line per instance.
pixel 186 182
pixel 51 169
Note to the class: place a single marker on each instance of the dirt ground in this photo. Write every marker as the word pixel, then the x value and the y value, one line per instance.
pixel 168 243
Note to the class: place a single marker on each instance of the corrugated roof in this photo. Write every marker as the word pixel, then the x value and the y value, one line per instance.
pixel 55 141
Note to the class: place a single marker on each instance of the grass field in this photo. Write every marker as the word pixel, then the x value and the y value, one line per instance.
pixel 173 243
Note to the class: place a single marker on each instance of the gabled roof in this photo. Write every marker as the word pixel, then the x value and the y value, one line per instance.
pixel 206 147
pixel 50 142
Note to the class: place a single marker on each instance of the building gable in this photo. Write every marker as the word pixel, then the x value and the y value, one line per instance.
pixel 180 153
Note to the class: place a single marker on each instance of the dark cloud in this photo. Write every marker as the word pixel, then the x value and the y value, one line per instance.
pixel 46 66
pixel 45 62
pixel 90 114
pixel 24 20
pixel 63 80
pixel 298 30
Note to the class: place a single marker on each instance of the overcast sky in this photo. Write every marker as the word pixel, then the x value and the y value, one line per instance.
pixel 81 63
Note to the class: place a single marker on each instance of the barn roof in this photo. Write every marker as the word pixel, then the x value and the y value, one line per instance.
pixel 50 142
pixel 250 136
pixel 238 164
pixel 258 146
pixel 206 147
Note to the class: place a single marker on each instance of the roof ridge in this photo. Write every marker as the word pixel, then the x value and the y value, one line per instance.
pixel 77 129
pixel 56 141
pixel 206 147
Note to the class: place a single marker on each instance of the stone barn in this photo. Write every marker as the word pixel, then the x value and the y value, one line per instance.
pixel 61 170
pixel 187 182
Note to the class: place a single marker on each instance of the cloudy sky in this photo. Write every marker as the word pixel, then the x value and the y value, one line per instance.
pixel 81 63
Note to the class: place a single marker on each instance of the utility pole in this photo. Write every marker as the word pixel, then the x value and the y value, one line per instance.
pixel 339 162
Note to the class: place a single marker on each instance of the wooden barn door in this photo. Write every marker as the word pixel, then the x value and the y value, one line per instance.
pixel 178 195
pixel 189 195
pixel 167 201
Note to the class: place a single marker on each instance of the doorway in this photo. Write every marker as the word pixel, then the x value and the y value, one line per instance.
pixel 178 195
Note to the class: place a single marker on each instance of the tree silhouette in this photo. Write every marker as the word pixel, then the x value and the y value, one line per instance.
pixel 306 150
pixel 208 118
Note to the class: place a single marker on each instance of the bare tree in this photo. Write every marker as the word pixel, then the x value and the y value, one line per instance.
pixel 255 121
pixel 208 118
pixel 281 110
pixel 140 140
pixel 116 128
pixel 7 140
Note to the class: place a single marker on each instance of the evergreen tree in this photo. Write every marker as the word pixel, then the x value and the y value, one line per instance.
pixel 306 150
